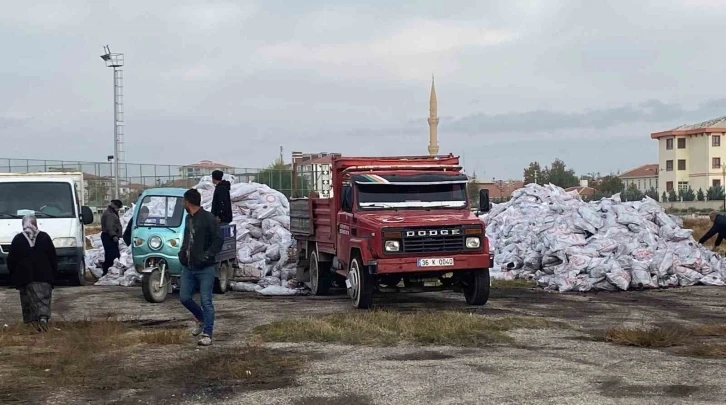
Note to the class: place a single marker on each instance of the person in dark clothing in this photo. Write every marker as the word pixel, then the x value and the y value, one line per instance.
pixel 33 267
pixel 221 204
pixel 201 243
pixel 111 232
pixel 718 228
pixel 143 214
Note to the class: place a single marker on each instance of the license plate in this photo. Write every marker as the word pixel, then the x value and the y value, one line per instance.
pixel 436 262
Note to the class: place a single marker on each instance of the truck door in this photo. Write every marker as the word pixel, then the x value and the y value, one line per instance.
pixel 346 226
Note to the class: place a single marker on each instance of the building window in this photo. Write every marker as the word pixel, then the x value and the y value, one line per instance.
pixel 715 140
pixel 682 185
pixel 681 164
pixel 669 143
pixel 681 143
pixel 716 183
pixel 669 186
pixel 669 165
pixel 716 163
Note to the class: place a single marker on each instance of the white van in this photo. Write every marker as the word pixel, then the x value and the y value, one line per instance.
pixel 55 200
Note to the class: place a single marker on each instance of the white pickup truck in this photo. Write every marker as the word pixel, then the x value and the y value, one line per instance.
pixel 55 200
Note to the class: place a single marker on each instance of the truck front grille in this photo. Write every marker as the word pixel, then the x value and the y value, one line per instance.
pixel 441 240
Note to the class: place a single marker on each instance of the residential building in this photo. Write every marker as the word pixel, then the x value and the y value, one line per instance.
pixel 691 156
pixel 203 168
pixel 643 177
pixel 499 190
pixel 315 168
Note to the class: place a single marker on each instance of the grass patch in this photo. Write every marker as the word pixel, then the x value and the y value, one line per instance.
pixel 164 337
pixel 713 329
pixel 383 328
pixel 516 283
pixel 652 337
pixel 706 350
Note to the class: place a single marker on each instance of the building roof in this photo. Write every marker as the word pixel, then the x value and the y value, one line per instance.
pixel 715 125
pixel 649 170
pixel 582 190
pixel 208 164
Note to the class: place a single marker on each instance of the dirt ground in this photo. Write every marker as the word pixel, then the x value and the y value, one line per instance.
pixel 569 365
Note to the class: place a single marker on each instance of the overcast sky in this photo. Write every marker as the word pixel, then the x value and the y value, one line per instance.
pixel 517 81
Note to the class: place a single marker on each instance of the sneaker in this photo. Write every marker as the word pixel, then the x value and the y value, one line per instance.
pixel 206 340
pixel 198 328
pixel 43 324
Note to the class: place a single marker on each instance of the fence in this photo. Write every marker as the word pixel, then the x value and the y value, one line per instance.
pixel 134 178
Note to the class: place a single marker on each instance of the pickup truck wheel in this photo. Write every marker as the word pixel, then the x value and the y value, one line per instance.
pixel 361 285
pixel 320 277
pixel 153 290
pixel 221 281
pixel 476 288
pixel 79 277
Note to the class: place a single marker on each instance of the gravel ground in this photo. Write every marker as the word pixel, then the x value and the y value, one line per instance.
pixel 545 366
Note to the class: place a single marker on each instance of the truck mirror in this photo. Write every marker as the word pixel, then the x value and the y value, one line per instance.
pixel 483 200
pixel 86 215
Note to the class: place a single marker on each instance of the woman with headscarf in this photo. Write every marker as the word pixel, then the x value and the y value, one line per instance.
pixel 33 266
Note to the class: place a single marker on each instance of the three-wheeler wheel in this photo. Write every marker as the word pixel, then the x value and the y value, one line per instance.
pixel 154 288
pixel 225 272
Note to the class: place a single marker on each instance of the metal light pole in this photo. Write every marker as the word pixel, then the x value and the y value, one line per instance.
pixel 116 61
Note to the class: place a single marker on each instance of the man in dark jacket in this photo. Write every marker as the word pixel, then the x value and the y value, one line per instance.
pixel 200 246
pixel 111 232
pixel 718 228
pixel 143 214
pixel 221 204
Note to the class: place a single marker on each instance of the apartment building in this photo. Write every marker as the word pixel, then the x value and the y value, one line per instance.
pixel 643 177
pixel 691 156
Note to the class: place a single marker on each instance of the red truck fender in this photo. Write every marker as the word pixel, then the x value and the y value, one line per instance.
pixel 362 245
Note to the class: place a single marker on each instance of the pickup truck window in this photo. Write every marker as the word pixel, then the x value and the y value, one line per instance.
pixel 377 196
pixel 164 211
pixel 43 199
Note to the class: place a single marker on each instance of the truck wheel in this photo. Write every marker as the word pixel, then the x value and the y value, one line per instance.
pixel 361 285
pixel 221 281
pixel 153 291
pixel 476 289
pixel 79 277
pixel 320 277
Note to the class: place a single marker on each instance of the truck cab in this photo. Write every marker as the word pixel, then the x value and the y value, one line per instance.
pixel 394 224
pixel 55 200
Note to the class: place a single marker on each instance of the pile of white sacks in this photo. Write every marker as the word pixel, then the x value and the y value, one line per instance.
pixel 565 244
pixel 262 218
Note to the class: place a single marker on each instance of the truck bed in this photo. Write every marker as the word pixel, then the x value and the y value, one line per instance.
pixel 312 220
pixel 229 243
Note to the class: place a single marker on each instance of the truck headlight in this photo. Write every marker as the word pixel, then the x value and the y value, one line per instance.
pixel 155 242
pixel 473 243
pixel 392 246
pixel 64 242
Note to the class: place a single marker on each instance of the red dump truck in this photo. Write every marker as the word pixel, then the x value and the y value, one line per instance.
pixel 393 224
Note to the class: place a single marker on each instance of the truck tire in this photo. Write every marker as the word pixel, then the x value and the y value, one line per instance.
pixel 79 277
pixel 320 277
pixel 361 285
pixel 476 289
pixel 221 280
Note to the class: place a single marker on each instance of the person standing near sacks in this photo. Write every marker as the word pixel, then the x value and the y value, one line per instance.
pixel 221 203
pixel 33 267
pixel 201 243
pixel 718 228
pixel 111 232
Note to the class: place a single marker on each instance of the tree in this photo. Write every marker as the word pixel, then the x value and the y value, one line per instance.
pixel 700 196
pixel 97 191
pixel 715 193
pixel 687 194
pixel 652 194
pixel 610 185
pixel 632 193
pixel 672 196
pixel 473 189
pixel 664 197
pixel 559 175
pixel 279 176
pixel 533 172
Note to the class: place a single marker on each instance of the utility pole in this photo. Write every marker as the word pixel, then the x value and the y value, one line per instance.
pixel 116 61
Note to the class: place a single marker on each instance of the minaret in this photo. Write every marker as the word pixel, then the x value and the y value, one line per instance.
pixel 433 122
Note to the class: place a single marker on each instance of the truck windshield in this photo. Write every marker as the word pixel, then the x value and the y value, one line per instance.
pixel 42 199
pixel 165 211
pixel 376 196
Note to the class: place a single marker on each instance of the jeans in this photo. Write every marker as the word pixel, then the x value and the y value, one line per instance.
pixel 203 281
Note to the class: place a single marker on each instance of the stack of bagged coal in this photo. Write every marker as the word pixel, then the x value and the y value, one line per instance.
pixel 122 273
pixel 549 235
pixel 262 217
